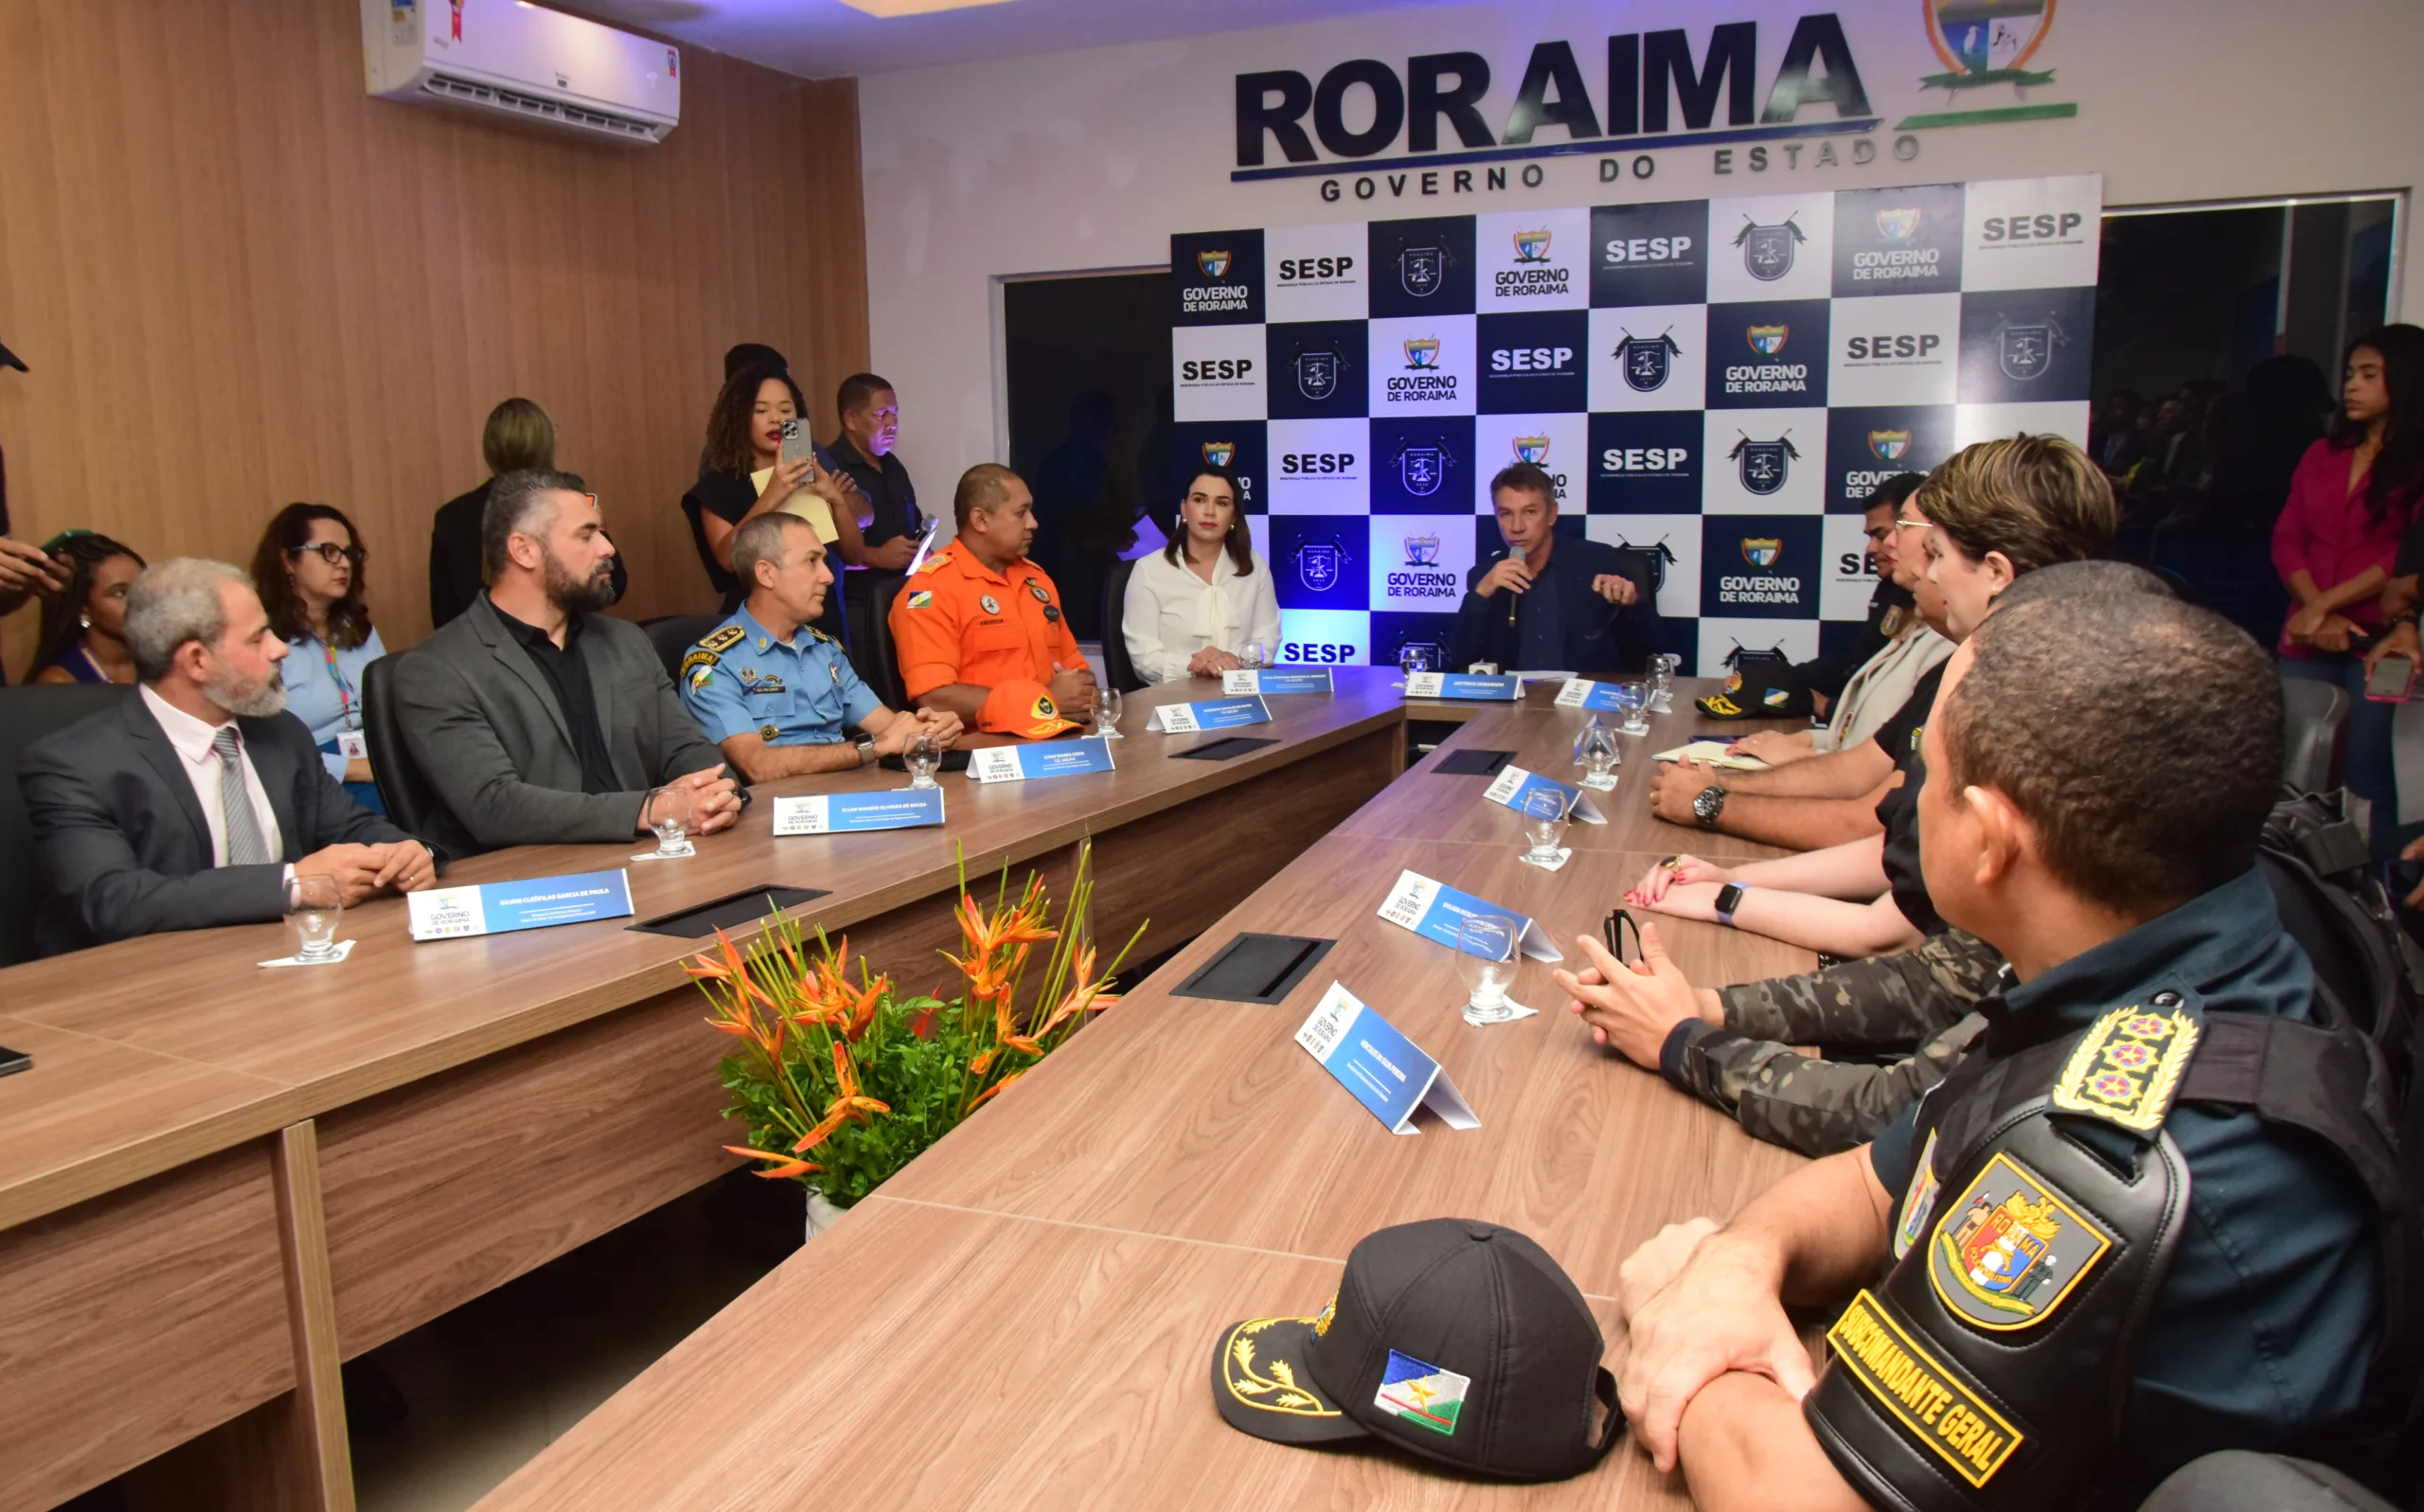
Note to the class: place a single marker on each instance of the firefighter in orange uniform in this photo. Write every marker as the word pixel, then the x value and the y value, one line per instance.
pixel 979 628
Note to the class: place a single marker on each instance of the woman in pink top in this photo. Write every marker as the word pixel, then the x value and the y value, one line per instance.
pixel 2337 541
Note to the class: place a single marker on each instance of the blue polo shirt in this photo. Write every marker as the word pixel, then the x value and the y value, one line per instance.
pixel 2267 1320
pixel 738 679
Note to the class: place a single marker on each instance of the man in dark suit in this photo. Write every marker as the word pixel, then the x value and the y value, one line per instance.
pixel 1552 601
pixel 535 719
pixel 196 802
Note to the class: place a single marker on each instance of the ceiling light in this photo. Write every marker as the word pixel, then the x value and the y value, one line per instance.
pixel 892 10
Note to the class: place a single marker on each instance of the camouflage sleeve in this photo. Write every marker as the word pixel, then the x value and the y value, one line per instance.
pixel 1889 1000
pixel 1814 1105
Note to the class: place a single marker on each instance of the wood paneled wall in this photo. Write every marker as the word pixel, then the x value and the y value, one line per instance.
pixel 238 280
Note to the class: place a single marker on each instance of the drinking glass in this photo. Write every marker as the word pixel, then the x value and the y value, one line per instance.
pixel 1251 659
pixel 1633 696
pixel 1662 682
pixel 1545 821
pixel 1107 707
pixel 1412 659
pixel 670 817
pixel 1486 947
pixel 313 908
pixel 1598 752
pixel 924 755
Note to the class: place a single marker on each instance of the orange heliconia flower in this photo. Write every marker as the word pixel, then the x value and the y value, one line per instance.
pixel 782 1171
pixel 987 1096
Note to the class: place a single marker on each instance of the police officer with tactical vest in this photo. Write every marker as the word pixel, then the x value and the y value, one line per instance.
pixel 2153 1214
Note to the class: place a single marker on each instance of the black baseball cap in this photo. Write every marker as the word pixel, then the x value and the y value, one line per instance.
pixel 1458 1340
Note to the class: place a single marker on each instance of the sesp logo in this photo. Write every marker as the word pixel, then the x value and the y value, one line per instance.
pixel 1317 465
pixel 1326 653
pixel 1766 250
pixel 1422 270
pixel 2044 228
pixel 1645 249
pixel 1889 446
pixel 1423 470
pixel 1648 361
pixel 1320 564
pixel 1645 458
pixel 1763 466
pixel 1317 374
pixel 1761 551
pixel 1532 246
pixel 1421 551
pixel 1217 369
pixel 1213 263
pixel 1316 270
pixel 1531 360
pixel 1883 348
pixel 1767 340
pixel 1422 354
pixel 2025 352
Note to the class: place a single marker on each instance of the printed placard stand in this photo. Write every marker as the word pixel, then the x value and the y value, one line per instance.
pixel 1274 679
pixel 1022 763
pixel 1209 714
pixel 502 908
pixel 1387 1072
pixel 1464 686
pixel 841 813
pixel 1582 693
pixel 1515 785
pixel 1438 912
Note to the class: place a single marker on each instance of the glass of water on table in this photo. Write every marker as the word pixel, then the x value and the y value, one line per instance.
pixel 1662 682
pixel 1486 951
pixel 1108 705
pixel 924 755
pixel 1632 697
pixel 313 908
pixel 1544 822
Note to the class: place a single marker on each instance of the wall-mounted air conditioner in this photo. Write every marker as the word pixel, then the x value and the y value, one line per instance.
pixel 505 57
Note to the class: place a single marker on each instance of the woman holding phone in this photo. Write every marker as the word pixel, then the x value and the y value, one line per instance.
pixel 1193 606
pixel 760 457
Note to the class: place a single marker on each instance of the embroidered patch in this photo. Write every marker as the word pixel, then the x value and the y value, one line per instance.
pixel 1922 1395
pixel 722 638
pixel 1918 1203
pixel 1422 1395
pixel 1777 697
pixel 2128 1069
pixel 1273 1388
pixel 1321 1325
pixel 702 662
pixel 923 597
pixel 1891 625
pixel 1718 703
pixel 989 603
pixel 2011 1249
pixel 1044 707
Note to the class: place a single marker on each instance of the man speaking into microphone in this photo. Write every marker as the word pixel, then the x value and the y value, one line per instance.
pixel 1553 602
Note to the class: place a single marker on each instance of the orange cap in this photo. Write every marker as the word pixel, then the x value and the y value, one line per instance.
pixel 1022 707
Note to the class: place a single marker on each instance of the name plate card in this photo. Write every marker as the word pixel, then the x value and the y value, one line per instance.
pixel 1503 688
pixel 1582 693
pixel 1022 763
pixel 1515 787
pixel 1438 912
pixel 841 813
pixel 501 908
pixel 1209 714
pixel 1386 1071
pixel 1270 681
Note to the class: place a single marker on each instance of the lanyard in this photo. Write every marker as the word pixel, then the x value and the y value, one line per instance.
pixel 344 690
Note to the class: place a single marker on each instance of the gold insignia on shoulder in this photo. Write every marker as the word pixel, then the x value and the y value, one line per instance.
pixel 701 659
pixel 1927 1401
pixel 723 638
pixel 935 562
pixel 820 635
pixel 2010 1249
pixel 2128 1069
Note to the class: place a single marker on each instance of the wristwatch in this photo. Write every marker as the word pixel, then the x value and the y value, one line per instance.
pixel 866 750
pixel 1709 806
pixel 1729 897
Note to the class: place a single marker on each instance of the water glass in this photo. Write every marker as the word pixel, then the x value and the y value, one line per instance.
pixel 1252 658
pixel 669 815
pixel 313 908
pixel 1107 709
pixel 1599 755
pixel 923 755
pixel 1485 952
pixel 1412 659
pixel 1662 682
pixel 1545 821
pixel 1632 697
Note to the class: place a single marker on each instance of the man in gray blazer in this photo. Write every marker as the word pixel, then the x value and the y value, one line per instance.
pixel 195 802
pixel 535 719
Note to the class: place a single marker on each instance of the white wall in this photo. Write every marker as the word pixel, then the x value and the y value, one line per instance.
pixel 1060 162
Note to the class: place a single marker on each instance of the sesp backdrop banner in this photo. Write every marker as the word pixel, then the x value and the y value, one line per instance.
pixel 1720 383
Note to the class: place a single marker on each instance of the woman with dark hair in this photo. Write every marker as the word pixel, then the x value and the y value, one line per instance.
pixel 1194 605
pixel 83 626
pixel 746 476
pixel 2336 544
pixel 309 568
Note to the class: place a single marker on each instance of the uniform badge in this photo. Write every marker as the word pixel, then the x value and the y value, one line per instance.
pixel 722 639
pixel 1037 588
pixel 921 599
pixel 768 732
pixel 2010 1249
pixel 2128 1068
pixel 749 674
pixel 1422 1395
pixel 1926 1400
pixel 989 604
pixel 1044 708
pixel 701 675
pixel 1777 697
pixel 835 667
pixel 1891 625
pixel 1919 1202
pixel 1051 614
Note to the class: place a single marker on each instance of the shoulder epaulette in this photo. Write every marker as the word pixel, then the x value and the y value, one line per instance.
pixel 722 638
pixel 820 635
pixel 2127 1070
pixel 936 561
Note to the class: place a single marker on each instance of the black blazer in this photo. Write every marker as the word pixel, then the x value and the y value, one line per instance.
pixel 1596 635
pixel 123 844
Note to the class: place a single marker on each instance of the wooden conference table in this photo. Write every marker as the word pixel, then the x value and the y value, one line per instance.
pixel 1024 1316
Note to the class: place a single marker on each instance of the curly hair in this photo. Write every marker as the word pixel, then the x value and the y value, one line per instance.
pixel 728 446
pixel 82 552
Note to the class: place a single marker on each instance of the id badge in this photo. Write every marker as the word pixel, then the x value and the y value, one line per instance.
pixel 353 745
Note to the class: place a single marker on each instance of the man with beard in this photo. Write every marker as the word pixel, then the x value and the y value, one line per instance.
pixel 197 802
pixel 537 720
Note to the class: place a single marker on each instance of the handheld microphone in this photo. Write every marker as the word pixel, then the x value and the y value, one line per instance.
pixel 1515 601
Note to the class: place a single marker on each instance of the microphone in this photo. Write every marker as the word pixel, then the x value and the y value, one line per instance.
pixel 1514 600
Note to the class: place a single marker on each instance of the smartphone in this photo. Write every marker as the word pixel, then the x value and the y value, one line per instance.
pixel 14 1061
pixel 925 543
pixel 795 441
pixel 2392 677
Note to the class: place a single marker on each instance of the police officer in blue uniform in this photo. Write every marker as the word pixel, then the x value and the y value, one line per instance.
pixel 2146 1218
pixel 778 695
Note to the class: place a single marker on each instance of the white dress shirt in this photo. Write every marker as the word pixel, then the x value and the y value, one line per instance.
pixel 193 738
pixel 1171 614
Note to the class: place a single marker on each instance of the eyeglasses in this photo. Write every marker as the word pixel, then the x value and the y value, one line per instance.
pixel 330 552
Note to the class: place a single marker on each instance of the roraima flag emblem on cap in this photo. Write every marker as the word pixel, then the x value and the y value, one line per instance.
pixel 1766 250
pixel 1319 564
pixel 1889 446
pixel 1217 453
pixel 1317 374
pixel 2025 352
pixel 1532 449
pixel 1422 270
pixel 1647 359
pixel 1215 264
pixel 1899 225
pixel 1767 340
pixel 1422 352
pixel 1761 551
pixel 1531 247
pixel 1422 469
pixel 1421 551
pixel 1763 465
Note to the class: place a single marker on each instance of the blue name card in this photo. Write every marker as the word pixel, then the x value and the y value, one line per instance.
pixel 1582 693
pixel 841 813
pixel 1515 787
pixel 1437 911
pixel 1272 681
pixel 501 908
pixel 1505 689
pixel 1388 1073
pixel 1210 714
pixel 1057 759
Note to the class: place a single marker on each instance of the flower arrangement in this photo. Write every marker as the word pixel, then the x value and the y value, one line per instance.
pixel 842 1082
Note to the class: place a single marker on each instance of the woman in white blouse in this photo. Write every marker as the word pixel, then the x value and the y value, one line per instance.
pixel 1197 603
